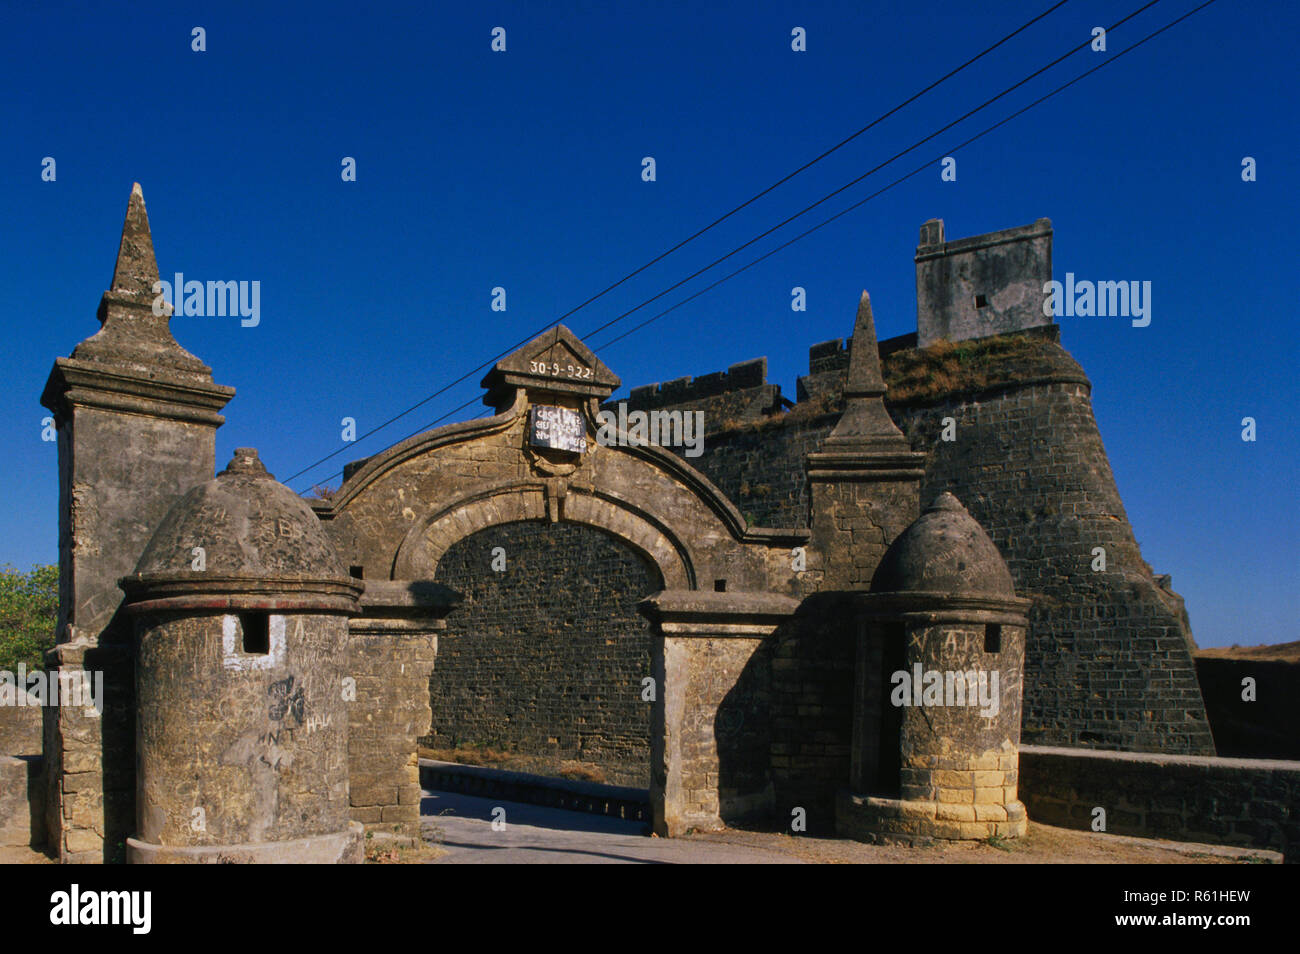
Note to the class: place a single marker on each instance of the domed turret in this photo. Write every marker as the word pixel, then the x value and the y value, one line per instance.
pixel 248 525
pixel 936 729
pixel 944 551
pixel 241 618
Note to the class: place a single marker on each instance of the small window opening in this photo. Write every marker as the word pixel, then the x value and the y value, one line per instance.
pixel 257 633
pixel 981 301
pixel 993 638
pixel 357 572
pixel 719 586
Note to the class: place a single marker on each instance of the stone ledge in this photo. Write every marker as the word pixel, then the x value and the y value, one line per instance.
pixel 1157 759
pixel 590 797
pixel 705 612
pixel 342 848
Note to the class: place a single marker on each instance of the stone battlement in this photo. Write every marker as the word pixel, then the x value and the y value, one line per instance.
pixel 738 377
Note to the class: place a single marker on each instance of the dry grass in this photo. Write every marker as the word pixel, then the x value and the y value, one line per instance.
pixel 321 492
pixel 487 756
pixel 944 368
pixel 385 852
pixel 926 375
pixel 1042 845
pixel 468 755
pixel 581 772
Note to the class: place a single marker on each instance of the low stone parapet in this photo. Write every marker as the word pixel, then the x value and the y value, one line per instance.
pixel 1249 802
pixel 615 801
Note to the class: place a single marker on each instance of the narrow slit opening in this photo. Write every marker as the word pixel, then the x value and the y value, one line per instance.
pixel 993 638
pixel 256 630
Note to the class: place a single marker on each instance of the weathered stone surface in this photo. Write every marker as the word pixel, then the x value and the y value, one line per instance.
pixel 944 629
pixel 242 711
pixel 247 525
pixel 768 695
pixel 944 551
pixel 547 658
pixel 340 848
pixel 984 285
pixel 20 727
pixel 1108 661
pixel 1229 801
pixel 128 386
pixel 21 808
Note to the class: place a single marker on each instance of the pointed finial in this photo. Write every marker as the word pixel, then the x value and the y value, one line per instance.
pixel 136 270
pixel 946 501
pixel 246 461
pixel 864 377
pixel 133 331
pixel 865 423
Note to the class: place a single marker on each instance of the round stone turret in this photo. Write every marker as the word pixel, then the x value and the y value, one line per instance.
pixel 943 631
pixel 944 551
pixel 248 525
pixel 241 613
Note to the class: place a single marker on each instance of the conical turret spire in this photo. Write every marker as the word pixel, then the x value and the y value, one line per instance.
pixel 135 319
pixel 865 378
pixel 136 270
pixel 865 424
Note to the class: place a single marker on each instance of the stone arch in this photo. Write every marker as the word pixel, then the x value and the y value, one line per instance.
pixel 727 585
pixel 545 659
pixel 424 545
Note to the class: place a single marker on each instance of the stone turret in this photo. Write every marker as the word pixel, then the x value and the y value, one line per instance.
pixel 136 416
pixel 936 732
pixel 241 618
pixel 988 284
pixel 865 479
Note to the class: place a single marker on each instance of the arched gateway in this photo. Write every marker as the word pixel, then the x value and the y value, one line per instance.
pixel 727 586
pixel 769 693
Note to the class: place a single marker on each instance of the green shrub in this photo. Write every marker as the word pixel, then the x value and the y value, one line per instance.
pixel 29 610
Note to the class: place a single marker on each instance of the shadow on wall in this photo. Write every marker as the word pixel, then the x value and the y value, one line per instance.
pixel 743 735
pixel 1265 728
pixel 812 658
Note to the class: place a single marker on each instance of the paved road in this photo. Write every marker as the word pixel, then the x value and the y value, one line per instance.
pixel 535 834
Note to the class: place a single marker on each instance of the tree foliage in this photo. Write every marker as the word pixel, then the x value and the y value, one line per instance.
pixel 29 610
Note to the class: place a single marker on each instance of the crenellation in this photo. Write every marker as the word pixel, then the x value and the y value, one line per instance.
pixel 727 630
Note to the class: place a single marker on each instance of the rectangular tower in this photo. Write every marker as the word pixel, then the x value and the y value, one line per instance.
pixel 988 284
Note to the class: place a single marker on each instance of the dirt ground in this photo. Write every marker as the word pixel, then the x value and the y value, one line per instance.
pixel 1042 845
pixel 23 856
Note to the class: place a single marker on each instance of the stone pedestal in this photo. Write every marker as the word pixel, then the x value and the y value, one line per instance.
pixel 864 482
pixel 136 416
pixel 710 741
pixel 391 652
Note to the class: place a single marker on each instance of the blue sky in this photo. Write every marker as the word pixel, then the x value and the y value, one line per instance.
pixel 522 169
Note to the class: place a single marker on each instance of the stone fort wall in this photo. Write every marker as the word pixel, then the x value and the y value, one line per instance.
pixel 1108 661
pixel 546 658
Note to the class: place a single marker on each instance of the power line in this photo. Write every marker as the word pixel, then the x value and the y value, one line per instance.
pixel 928 164
pixel 869 172
pixel 812 162
pixel 658 258
pixel 904 178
